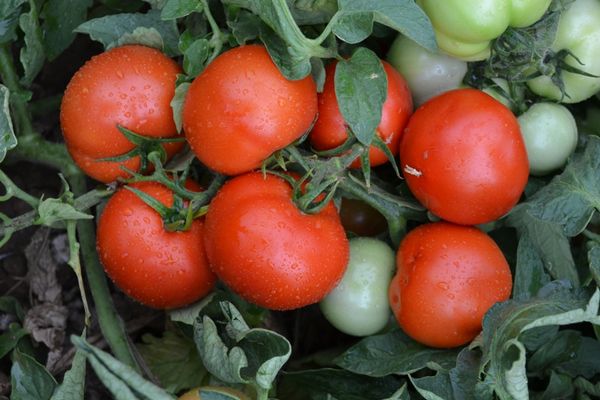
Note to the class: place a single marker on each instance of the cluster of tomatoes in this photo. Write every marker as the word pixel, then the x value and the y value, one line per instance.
pixel 461 153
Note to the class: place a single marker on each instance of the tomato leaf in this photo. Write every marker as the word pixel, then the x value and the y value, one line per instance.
pixel 177 104
pixel 10 338
pixel 560 387
pixel 109 29
pixel 121 380
pixel 174 9
pixel 8 140
pixel 437 387
pixel 11 305
pixel 594 261
pixel 234 353
pixel 356 19
pixel 72 387
pixel 32 55
pixel 9 18
pixel 361 89
pixel 61 17
pixel 464 377
pixel 530 275
pixel 195 56
pixel 292 64
pixel 571 198
pixel 29 379
pixel 51 211
pixel 393 353
pixel 174 360
pixel 330 383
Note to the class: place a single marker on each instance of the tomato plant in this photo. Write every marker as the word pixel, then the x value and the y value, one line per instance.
pixel 330 129
pixel 448 277
pixel 358 305
pixel 463 157
pixel 158 268
pixel 426 73
pixel 579 36
pixel 269 252
pixel 241 109
pixel 222 392
pixel 550 135
pixel 131 86
pixel 464 29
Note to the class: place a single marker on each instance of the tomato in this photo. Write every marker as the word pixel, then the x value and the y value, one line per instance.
pixel 268 251
pixel 359 305
pixel 330 130
pixel 465 28
pixel 426 73
pixel 221 392
pixel 447 277
pixel 360 218
pixel 131 86
pixel 464 158
pixel 241 109
pixel 158 268
pixel 550 135
pixel 579 33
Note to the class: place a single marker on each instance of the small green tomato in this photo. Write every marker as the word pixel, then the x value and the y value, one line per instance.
pixel 550 135
pixel 359 304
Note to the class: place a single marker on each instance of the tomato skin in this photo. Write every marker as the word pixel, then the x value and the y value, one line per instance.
pixel 241 109
pixel 463 157
pixel 158 268
pixel 465 28
pixel 358 305
pixel 447 277
pixel 578 32
pixel 269 252
pixel 550 134
pixel 130 85
pixel 330 129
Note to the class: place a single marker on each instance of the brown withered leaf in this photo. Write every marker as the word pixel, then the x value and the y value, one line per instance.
pixel 42 268
pixel 47 324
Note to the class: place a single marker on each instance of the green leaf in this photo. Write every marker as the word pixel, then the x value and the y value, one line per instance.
pixel 177 104
pixel 174 9
pixel 173 360
pixel 72 387
pixel 393 353
pixel 51 211
pixel 234 353
pixel 571 198
pixel 11 305
pixel 121 380
pixel 61 17
pixel 342 385
pixel 9 18
pixel 195 57
pixel 8 140
pixel 560 387
pixel 514 375
pixel 405 16
pixel 292 64
pixel 29 379
pixel 594 261
pixel 437 387
pixel 32 55
pixel 361 90
pixel 558 349
pixel 10 338
pixel 148 37
pixel 584 362
pixel 109 29
pixel 245 27
pixel 354 27
pixel 464 377
pixel 530 275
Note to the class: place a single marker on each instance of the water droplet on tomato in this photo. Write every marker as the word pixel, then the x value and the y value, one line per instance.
pixel 443 285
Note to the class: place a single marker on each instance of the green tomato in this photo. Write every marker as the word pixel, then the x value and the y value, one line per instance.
pixel 550 135
pixel 359 304
pixel 426 73
pixel 578 32
pixel 465 28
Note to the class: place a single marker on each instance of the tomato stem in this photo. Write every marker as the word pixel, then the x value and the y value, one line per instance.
pixel 18 98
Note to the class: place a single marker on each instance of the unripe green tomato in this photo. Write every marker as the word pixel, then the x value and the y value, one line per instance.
pixel 359 304
pixel 550 135
pixel 426 73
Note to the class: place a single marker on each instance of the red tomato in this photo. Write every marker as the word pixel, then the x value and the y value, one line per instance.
pixel 464 158
pixel 269 252
pixel 130 85
pixel 241 109
pixel 158 268
pixel 330 130
pixel 447 277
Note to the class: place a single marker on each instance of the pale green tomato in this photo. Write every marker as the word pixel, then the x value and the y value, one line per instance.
pixel 465 28
pixel 550 135
pixel 359 304
pixel 426 73
pixel 578 32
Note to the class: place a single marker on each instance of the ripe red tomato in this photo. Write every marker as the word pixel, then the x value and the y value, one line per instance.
pixel 330 130
pixel 130 85
pixel 241 109
pixel 464 158
pixel 268 251
pixel 447 277
pixel 158 268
